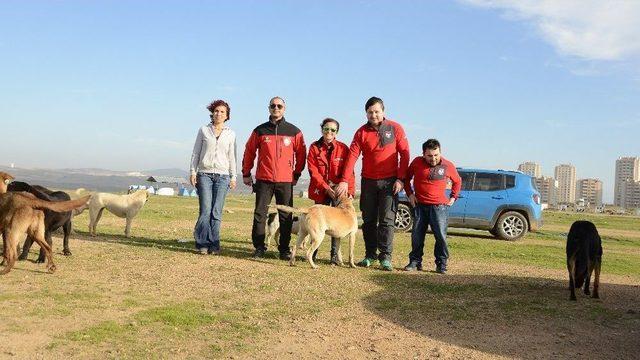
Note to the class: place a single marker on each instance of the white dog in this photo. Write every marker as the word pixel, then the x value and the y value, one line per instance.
pixel 124 206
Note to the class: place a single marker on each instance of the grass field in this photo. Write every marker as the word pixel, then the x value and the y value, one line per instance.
pixel 151 296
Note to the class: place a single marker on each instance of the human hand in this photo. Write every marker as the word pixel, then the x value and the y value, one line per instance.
pixel 247 180
pixel 192 180
pixel 413 200
pixel 397 186
pixel 451 201
pixel 341 189
pixel 232 184
pixel 331 193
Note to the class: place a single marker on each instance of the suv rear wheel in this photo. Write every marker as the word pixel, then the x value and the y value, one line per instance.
pixel 511 226
pixel 404 218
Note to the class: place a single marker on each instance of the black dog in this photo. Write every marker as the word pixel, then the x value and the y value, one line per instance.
pixel 584 255
pixel 52 220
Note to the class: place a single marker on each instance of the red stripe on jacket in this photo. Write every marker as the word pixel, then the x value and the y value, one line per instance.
pixel 430 182
pixel 281 152
pixel 385 152
pixel 324 168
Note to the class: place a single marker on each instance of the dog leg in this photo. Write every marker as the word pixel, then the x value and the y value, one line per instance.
pixel 587 280
pixel 95 217
pixel 339 252
pixel 315 244
pixel 10 253
pixel 38 236
pixel 596 278
pixel 352 244
pixel 65 242
pixel 571 266
pixel 276 237
pixel 25 249
pixel 42 255
pixel 127 228
pixel 301 235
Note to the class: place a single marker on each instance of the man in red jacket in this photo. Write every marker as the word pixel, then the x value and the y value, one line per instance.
pixel 431 173
pixel 385 158
pixel 326 160
pixel 281 159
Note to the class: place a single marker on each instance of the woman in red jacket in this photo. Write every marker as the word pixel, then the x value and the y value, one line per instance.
pixel 326 160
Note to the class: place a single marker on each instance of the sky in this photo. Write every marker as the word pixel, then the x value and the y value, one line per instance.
pixel 124 85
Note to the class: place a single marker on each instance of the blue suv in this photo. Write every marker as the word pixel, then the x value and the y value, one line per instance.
pixel 506 203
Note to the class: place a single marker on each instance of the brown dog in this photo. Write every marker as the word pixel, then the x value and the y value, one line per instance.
pixel 20 214
pixel 318 220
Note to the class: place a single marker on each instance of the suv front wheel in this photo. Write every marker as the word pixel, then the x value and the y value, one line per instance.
pixel 404 218
pixel 511 226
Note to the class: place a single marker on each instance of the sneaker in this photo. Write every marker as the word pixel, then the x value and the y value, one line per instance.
pixel 413 266
pixel 215 252
pixel 259 253
pixel 386 265
pixel 441 269
pixel 203 251
pixel 285 256
pixel 366 262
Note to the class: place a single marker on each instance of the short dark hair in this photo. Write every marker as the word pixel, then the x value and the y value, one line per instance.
pixel 430 144
pixel 372 101
pixel 214 104
pixel 328 120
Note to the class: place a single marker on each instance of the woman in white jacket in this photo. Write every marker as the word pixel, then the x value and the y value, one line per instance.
pixel 213 173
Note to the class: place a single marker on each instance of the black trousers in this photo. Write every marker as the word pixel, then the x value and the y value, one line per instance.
pixel 334 241
pixel 378 206
pixel 265 190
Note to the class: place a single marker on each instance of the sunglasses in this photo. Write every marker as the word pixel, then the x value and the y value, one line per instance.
pixel 328 129
pixel 276 106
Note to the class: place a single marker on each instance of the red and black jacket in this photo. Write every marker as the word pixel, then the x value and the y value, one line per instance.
pixel 326 164
pixel 380 151
pixel 281 152
pixel 430 182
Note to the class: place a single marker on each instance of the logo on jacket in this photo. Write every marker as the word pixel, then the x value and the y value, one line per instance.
pixel 441 171
pixel 317 191
pixel 387 134
pixel 267 139
pixel 287 141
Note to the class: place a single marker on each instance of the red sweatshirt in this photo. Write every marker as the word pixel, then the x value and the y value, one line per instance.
pixel 281 152
pixel 326 164
pixel 430 182
pixel 380 151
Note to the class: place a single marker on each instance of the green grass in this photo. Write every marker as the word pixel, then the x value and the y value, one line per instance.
pixel 150 296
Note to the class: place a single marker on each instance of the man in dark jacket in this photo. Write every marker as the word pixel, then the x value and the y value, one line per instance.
pixel 281 159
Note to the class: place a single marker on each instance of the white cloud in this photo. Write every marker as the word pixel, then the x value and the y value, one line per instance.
pixel 586 29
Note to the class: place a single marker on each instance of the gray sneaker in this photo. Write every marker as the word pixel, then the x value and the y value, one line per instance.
pixel 413 266
pixel 203 251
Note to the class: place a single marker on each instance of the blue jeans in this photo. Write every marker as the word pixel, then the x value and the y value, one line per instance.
pixel 212 190
pixel 437 217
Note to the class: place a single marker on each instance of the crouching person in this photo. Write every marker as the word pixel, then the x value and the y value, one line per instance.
pixel 326 160
pixel 431 173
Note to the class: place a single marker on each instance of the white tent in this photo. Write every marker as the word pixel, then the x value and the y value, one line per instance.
pixel 165 191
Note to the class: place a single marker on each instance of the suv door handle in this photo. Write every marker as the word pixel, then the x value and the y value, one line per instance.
pixel 460 197
pixel 497 197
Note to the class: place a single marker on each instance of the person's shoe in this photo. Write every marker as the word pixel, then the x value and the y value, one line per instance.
pixel 285 256
pixel 366 262
pixel 386 265
pixel 203 251
pixel 413 266
pixel 441 269
pixel 258 254
pixel 215 252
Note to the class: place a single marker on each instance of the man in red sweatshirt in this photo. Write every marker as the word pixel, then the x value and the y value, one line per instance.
pixel 431 173
pixel 385 158
pixel 281 159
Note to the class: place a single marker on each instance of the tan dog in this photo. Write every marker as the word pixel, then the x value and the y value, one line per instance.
pixel 76 194
pixel 124 206
pixel 21 214
pixel 318 220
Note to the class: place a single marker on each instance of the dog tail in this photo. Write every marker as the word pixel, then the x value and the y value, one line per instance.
pixel 290 209
pixel 60 206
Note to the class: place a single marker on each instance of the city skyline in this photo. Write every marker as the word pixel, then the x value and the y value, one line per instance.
pixel 125 84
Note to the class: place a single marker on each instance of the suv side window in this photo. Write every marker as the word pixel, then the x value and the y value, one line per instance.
pixel 467 180
pixel 488 182
pixel 511 181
